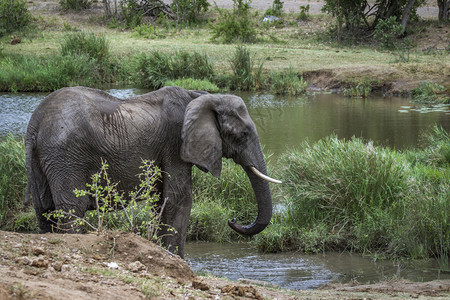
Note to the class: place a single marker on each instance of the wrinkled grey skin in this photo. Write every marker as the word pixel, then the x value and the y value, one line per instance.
pixel 74 128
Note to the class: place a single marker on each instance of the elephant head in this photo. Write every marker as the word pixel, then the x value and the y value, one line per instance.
pixel 217 126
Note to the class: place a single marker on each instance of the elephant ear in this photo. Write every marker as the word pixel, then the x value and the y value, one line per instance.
pixel 202 144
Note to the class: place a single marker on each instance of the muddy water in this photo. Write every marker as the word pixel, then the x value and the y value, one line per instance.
pixel 300 271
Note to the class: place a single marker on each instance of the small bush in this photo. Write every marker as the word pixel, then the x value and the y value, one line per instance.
pixel 13 178
pixel 387 32
pixel 156 68
pixel 287 83
pixel 245 76
pixel 429 92
pixel 189 11
pixel 193 84
pixel 276 9
pixel 237 25
pixel 303 15
pixel 132 13
pixel 88 44
pixel 14 16
pixel 146 30
pixel 360 88
pixel 75 4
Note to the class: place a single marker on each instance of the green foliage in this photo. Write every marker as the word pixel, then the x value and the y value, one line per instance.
pixel 387 31
pixel 355 196
pixel 189 11
pixel 14 16
pixel 25 221
pixel 356 20
pixel 75 4
pixel 156 68
pixel 287 82
pixel 303 15
pixel 46 74
pixel 88 44
pixel 146 30
pixel 429 92
pixel 13 178
pixel 193 84
pixel 237 25
pixel 218 200
pixel 244 77
pixel 132 13
pixel 276 9
pixel 360 88
pixel 143 219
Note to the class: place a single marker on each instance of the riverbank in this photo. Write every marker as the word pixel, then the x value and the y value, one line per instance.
pixel 117 265
pixel 299 45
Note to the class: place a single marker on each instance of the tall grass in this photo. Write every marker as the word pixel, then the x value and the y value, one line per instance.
pixel 12 175
pixel 84 59
pixel 352 195
pixel 156 68
pixel 287 82
pixel 218 200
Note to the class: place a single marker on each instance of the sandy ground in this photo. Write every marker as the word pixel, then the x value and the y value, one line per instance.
pixel 119 265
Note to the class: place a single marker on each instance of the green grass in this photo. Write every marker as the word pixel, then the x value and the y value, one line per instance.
pixel 12 178
pixel 218 200
pixel 354 196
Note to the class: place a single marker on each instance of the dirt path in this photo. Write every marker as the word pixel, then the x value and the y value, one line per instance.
pixel 125 266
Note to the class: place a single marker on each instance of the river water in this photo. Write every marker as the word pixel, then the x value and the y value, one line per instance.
pixel 283 123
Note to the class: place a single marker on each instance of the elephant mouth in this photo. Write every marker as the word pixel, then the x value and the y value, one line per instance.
pixel 264 177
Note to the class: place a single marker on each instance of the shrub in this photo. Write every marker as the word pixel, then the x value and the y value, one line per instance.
pixel 14 16
pixel 189 10
pixel 360 88
pixel 75 4
pixel 244 77
pixel 142 219
pixel 132 13
pixel 387 31
pixel 355 196
pixel 156 68
pixel 276 9
pixel 303 15
pixel 194 84
pixel 45 74
pixel 13 178
pixel 235 25
pixel 287 83
pixel 429 92
pixel 90 44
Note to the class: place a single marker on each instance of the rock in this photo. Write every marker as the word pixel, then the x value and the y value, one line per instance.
pixel 200 285
pixel 57 265
pixel 38 251
pixel 136 267
pixel 39 262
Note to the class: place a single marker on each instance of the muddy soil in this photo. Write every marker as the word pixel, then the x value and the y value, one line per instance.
pixel 117 265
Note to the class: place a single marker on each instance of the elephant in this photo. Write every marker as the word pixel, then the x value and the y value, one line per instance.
pixel 73 129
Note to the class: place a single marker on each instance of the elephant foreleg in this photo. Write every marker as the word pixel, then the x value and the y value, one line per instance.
pixel 175 217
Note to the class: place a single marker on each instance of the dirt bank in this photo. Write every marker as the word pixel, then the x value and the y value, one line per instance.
pixel 125 266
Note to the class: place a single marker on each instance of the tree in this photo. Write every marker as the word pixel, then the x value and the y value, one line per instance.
pixel 444 7
pixel 360 17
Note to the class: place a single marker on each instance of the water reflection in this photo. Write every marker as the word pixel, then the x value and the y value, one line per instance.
pixel 300 271
pixel 285 122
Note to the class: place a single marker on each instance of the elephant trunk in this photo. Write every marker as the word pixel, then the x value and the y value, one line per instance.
pixel 264 200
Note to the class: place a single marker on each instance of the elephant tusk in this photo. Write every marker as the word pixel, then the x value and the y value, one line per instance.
pixel 262 176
